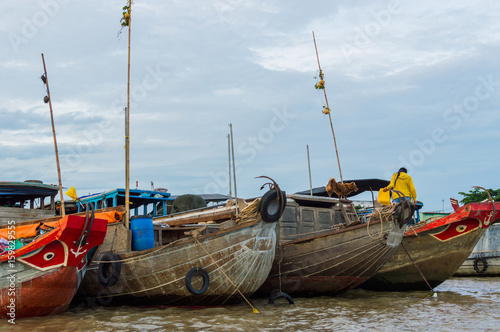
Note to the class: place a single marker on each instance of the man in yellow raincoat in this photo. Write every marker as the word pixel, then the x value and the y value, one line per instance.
pixel 402 182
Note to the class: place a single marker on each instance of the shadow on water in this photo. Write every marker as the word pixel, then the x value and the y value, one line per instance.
pixel 464 304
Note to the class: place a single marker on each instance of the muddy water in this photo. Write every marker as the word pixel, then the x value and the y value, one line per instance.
pixel 462 304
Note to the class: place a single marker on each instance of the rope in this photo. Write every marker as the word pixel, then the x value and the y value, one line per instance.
pixel 143 256
pixel 245 214
pixel 402 245
pixel 381 226
pixel 324 230
pixel 384 213
pixel 255 311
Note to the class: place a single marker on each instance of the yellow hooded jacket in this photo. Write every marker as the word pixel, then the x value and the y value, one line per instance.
pixel 404 184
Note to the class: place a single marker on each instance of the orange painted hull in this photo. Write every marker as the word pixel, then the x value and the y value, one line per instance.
pixel 41 277
pixel 49 293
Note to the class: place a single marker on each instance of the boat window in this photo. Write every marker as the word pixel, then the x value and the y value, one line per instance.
pixel 109 202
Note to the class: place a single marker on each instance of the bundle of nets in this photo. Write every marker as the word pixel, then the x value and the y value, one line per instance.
pixel 249 213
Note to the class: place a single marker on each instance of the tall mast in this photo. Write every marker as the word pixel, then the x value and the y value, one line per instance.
pixel 46 81
pixel 127 20
pixel 234 170
pixel 327 109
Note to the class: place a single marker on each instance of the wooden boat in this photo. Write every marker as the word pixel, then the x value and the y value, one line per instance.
pixel 438 247
pixel 41 277
pixel 485 258
pixel 209 256
pixel 28 200
pixel 324 247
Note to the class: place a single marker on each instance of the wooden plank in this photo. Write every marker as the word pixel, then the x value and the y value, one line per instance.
pixel 20 215
pixel 194 218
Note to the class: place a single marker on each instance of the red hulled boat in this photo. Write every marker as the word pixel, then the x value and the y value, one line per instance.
pixel 41 277
pixel 438 247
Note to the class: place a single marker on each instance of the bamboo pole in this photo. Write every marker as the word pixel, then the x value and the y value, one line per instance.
pixel 46 81
pixel 309 167
pixel 229 163
pixel 127 128
pixel 328 107
pixel 234 170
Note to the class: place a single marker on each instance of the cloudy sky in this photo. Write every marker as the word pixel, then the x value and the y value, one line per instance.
pixel 413 84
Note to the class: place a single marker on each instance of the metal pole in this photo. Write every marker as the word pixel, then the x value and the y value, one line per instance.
pixel 309 167
pixel 46 81
pixel 229 162
pixel 234 171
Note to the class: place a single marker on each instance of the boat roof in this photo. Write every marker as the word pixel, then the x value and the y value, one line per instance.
pixel 140 196
pixel 210 197
pixel 137 196
pixel 28 189
pixel 362 184
pixel 317 201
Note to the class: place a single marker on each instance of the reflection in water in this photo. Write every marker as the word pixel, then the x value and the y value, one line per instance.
pixel 462 304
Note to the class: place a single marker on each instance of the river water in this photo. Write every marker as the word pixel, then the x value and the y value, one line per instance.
pixel 462 304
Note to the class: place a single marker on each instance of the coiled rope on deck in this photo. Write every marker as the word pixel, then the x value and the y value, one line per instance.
pixel 384 213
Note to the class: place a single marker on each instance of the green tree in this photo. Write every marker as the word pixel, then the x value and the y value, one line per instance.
pixel 479 195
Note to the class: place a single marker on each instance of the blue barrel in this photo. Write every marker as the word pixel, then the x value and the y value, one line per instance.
pixel 142 232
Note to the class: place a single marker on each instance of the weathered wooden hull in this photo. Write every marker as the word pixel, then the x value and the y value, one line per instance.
pixel 333 260
pixel 330 263
pixel 438 248
pixel 485 258
pixel 41 278
pixel 157 276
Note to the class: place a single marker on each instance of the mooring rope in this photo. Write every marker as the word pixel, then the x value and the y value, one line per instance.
pixel 419 271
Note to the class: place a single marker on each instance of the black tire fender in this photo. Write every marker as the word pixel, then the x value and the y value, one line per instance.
pixel 206 280
pixel 109 269
pixel 271 208
pixel 280 295
pixel 476 265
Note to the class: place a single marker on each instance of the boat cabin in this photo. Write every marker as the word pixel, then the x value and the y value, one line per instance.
pixel 159 205
pixel 310 215
pixel 142 202
pixel 28 200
